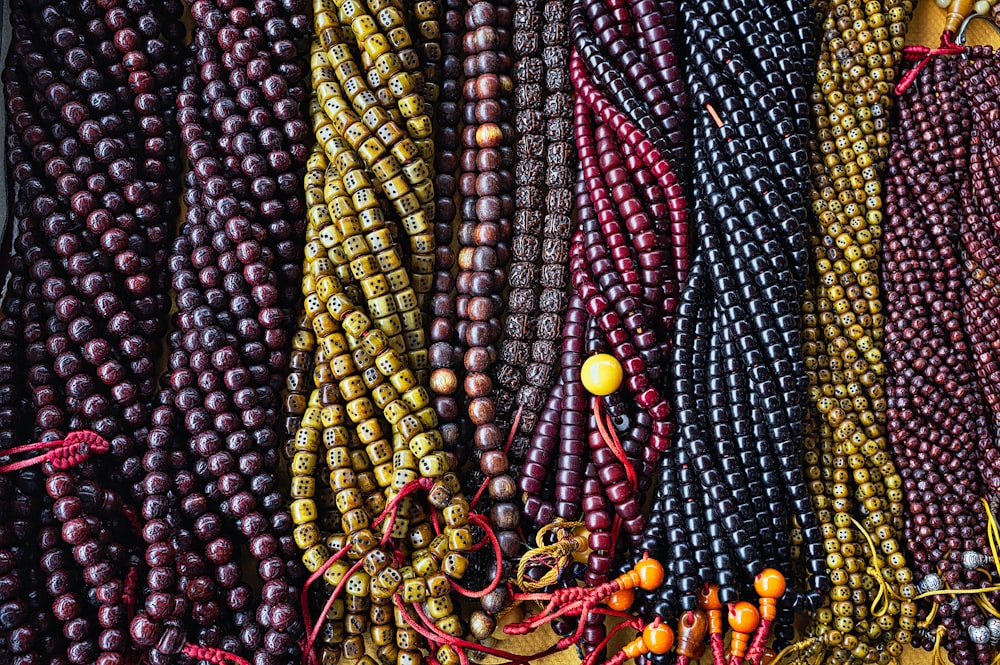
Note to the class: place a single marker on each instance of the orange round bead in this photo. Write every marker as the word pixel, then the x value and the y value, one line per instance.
pixel 650 574
pixel 658 637
pixel 743 617
pixel 621 600
pixel 769 583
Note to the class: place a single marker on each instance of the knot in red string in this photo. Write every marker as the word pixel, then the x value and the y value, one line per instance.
pixel 62 454
pixel 212 655
pixel 922 56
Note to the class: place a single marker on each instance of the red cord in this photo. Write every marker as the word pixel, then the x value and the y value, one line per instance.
pixel 759 643
pixel 307 654
pixel 610 438
pixel 718 649
pixel 484 524
pixel 506 449
pixel 63 454
pixel 304 596
pixel 634 622
pixel 212 655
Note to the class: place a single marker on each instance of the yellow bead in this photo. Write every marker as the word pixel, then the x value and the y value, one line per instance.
pixel 303 511
pixel 601 374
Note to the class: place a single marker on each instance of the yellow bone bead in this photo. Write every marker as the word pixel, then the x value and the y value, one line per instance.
pixel 305 535
pixel 379 240
pixel 422 445
pixel 386 168
pixel 411 106
pixel 399 38
pixel 407 638
pixel 371 218
pixel 303 487
pixel 416 398
pixel 387 64
pixel 354 520
pixel 384 474
pixel 342 478
pixel 457 514
pixel 459 539
pixel 439 546
pixel 454 565
pixel 409 658
pixel 397 277
pixel 403 476
pixel 303 463
pixel 333 415
pixel 348 499
pixel 389 579
pixel 374 286
pixel 450 625
pixel 433 465
pixel 335 437
pixel 404 459
pixel 437 585
pixel 314 557
pixel 425 565
pixel 356 324
pixel 419 127
pixel 369 430
pixel 358 584
pixel 303 511
pixel 403 380
pixel 379 452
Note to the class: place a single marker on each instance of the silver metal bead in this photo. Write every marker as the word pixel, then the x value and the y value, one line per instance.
pixel 979 634
pixel 931 582
pixel 994 626
pixel 972 560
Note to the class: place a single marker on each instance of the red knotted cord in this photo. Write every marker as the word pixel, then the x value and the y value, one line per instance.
pixel 63 454
pixel 212 655
pixel 922 55
pixel 304 596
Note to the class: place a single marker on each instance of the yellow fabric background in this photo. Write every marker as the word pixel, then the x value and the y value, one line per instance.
pixel 925 28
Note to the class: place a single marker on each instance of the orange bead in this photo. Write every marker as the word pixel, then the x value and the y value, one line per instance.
pixel 621 600
pixel 743 617
pixel 691 630
pixel 708 597
pixel 635 648
pixel 769 656
pixel 658 637
pixel 650 574
pixel 769 583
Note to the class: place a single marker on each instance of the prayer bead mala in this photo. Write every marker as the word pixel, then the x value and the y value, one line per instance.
pixel 92 142
pixel 543 176
pixel 936 421
pixel 485 188
pixel 617 259
pixel 847 454
pixel 738 374
pixel 447 143
pixel 233 265
pixel 352 257
pixel 979 239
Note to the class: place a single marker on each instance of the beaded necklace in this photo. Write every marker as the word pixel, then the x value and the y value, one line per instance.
pixel 234 268
pixel 738 377
pixel 363 361
pixel 92 137
pixel 936 420
pixel 843 330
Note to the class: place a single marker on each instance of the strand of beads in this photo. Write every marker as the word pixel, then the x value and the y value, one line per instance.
pixel 232 266
pixel 92 142
pixel 936 421
pixel 370 353
pixel 485 187
pixel 979 238
pixel 543 174
pixel 843 324
pixel 441 329
pixel 738 373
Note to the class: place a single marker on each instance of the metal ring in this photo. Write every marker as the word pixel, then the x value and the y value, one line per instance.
pixel 960 37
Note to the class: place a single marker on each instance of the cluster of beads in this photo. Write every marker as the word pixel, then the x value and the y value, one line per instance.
pixel 370 478
pixel 731 484
pixel 851 475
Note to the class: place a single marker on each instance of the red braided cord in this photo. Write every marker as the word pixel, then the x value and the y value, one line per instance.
pixel 304 596
pixel 718 649
pixel 212 655
pixel 756 651
pixel 62 453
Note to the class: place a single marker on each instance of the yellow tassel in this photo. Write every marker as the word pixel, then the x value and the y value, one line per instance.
pixel 936 657
pixel 555 556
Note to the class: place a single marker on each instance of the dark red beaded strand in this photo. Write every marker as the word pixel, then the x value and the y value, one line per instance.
pixel 980 241
pixel 448 145
pixel 235 267
pixel 937 422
